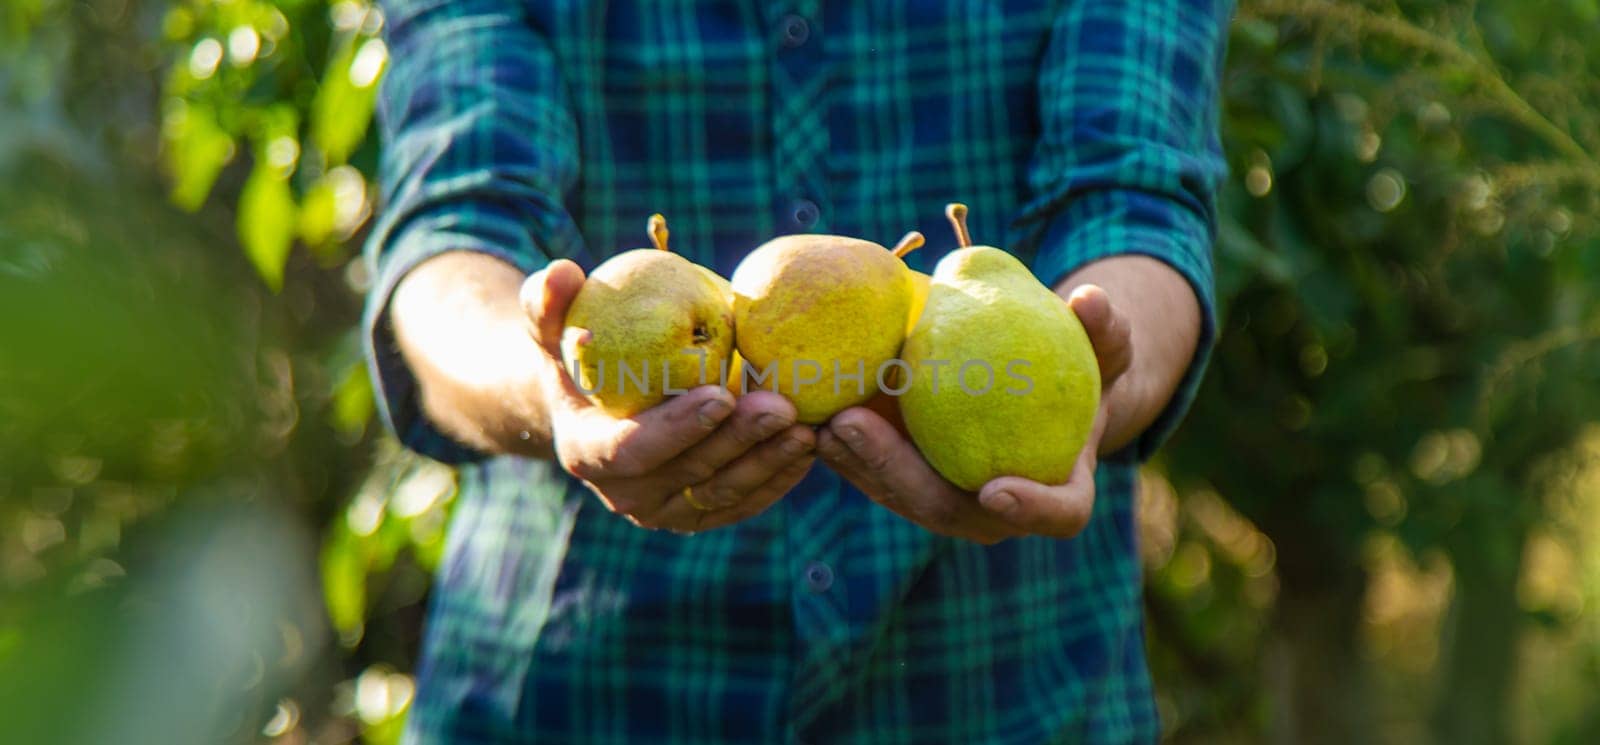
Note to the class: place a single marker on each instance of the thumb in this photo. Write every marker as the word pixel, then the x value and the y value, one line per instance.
pixel 546 295
pixel 1108 329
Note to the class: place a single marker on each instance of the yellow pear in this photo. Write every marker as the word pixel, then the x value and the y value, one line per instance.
pixel 1004 381
pixel 919 281
pixel 646 324
pixel 818 315
pixel 919 298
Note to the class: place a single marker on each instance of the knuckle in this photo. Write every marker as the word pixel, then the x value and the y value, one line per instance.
pixel 696 471
pixel 746 432
pixel 879 460
pixel 617 463
pixel 832 449
pixel 624 505
pixel 585 471
pixel 572 463
pixel 721 495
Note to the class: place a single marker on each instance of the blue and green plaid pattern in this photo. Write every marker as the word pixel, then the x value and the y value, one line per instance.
pixel 530 130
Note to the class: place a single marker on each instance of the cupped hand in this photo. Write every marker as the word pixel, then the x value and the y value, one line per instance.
pixel 697 461
pixel 874 454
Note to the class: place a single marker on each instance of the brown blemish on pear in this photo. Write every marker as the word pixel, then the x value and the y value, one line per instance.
pixel 647 307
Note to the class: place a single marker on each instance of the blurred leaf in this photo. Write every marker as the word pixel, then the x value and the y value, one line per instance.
pixel 10 639
pixel 17 18
pixel 197 148
pixel 353 401
pixel 267 222
pixel 318 212
pixel 344 582
pixel 344 102
pixel 384 545
pixel 386 732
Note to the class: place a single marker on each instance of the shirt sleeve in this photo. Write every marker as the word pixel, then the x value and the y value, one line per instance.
pixel 479 149
pixel 1129 159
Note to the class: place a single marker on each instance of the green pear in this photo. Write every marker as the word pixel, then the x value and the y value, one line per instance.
pixel 818 315
pixel 647 323
pixel 1004 381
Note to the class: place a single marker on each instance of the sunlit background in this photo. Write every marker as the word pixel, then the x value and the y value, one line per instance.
pixel 1381 523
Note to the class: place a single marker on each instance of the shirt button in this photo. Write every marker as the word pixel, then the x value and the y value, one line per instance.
pixel 805 212
pixel 819 577
pixel 794 31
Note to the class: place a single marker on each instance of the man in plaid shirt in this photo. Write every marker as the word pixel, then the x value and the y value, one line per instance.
pixel 582 597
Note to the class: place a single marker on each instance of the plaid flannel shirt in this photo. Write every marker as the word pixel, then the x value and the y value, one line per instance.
pixel 1075 130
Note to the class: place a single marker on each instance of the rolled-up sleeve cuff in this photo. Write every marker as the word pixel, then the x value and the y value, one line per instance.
pixel 1119 222
pixel 481 229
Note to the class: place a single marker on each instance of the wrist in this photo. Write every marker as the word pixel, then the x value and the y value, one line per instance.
pixel 466 339
pixel 522 402
pixel 1129 406
pixel 1162 317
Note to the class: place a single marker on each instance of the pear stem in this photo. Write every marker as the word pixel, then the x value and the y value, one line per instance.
pixel 956 212
pixel 658 231
pixel 909 242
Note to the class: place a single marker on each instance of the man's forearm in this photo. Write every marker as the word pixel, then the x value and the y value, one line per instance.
pixel 1164 314
pixel 480 375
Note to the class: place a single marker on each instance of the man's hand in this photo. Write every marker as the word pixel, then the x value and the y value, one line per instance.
pixel 661 467
pixel 1138 369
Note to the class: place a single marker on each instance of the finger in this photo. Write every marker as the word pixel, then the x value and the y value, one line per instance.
pixel 844 461
pixel 1061 511
pixel 546 295
pixel 758 466
pixel 1109 331
pixel 956 514
pixel 684 511
pixel 678 513
pixel 838 456
pixel 758 501
pixel 756 417
pixel 596 447
pixel 888 407
pixel 907 484
pixel 890 459
pixel 1031 507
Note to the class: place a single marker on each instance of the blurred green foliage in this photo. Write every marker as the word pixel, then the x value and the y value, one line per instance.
pixel 183 400
pixel 1380 523
pixel 1407 263
pixel 293 84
